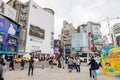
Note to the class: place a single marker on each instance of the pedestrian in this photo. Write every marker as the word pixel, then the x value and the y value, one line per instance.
pixel 90 73
pixel 74 63
pixel 70 64
pixel 62 62
pixel 59 63
pixel 22 64
pixel 11 65
pixel 92 63
pixel 4 67
pixel 1 69
pixel 31 66
pixel 97 59
pixel 78 63
pixel 51 62
pixel 1 72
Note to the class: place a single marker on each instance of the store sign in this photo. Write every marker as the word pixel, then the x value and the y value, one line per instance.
pixel 85 49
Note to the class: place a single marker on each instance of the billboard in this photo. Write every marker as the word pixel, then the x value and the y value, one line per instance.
pixel 57 48
pixel 9 35
pixel 7 10
pixel 36 31
pixel 66 33
pixel 40 29
pixel 111 61
pixel 79 40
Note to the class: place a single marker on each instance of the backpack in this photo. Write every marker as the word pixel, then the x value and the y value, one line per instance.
pixel 96 66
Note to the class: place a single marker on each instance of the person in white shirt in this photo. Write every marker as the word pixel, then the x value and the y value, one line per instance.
pixel 4 67
pixel 62 62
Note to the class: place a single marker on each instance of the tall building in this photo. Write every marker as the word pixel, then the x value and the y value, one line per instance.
pixel 21 18
pixel 66 33
pixel 94 35
pixel 9 30
pixel 83 38
pixel 37 27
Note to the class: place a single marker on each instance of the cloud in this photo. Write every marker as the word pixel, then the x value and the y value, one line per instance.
pixel 80 11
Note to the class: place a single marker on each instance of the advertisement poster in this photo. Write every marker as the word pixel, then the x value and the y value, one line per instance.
pixel 111 61
pixel 57 47
pixel 37 31
pixel 79 40
pixel 9 34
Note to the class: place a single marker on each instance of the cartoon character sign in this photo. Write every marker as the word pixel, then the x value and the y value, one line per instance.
pixel 111 61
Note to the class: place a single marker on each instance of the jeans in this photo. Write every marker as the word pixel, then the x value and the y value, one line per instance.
pixel 94 74
pixel 30 69
pixel 90 72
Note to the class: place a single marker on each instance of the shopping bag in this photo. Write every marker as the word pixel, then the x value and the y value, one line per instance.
pixel 98 72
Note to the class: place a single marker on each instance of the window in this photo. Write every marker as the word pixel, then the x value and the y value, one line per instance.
pixel 11 48
pixel 12 41
pixel 17 34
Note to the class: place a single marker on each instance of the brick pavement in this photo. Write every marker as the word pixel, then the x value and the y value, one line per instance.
pixel 54 74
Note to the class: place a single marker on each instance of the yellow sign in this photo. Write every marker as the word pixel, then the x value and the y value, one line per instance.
pixel 111 61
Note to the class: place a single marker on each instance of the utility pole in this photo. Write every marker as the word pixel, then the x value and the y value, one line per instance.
pixel 108 25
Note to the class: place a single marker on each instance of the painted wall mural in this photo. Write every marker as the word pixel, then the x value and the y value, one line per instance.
pixel 111 61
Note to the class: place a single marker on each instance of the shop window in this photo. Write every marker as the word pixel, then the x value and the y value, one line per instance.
pixel 11 48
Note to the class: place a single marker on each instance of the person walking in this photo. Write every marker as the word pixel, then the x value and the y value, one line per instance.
pixel 22 64
pixel 62 59
pixel 59 63
pixel 4 67
pixel 97 59
pixel 92 63
pixel 31 66
pixel 11 65
pixel 70 64
pixel 90 73
pixel 78 63
pixel 1 72
pixel 1 69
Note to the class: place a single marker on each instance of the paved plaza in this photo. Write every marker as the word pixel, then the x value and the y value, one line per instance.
pixel 54 74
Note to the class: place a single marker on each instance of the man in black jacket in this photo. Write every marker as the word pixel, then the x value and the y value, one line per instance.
pixel 92 64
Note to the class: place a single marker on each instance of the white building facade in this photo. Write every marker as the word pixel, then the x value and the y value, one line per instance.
pixel 40 29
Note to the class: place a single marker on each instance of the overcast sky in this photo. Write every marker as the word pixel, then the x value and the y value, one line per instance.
pixel 81 11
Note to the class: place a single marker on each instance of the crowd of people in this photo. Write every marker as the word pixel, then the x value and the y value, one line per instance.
pixel 73 63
